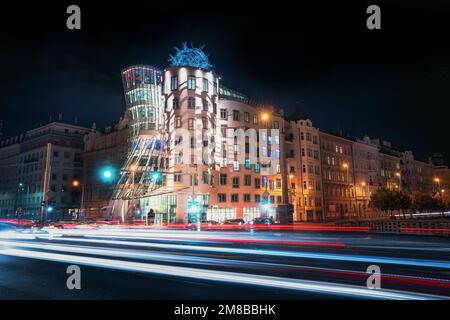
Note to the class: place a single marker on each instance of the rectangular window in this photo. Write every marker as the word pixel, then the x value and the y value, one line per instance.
pixel 256 167
pixel 223 130
pixel 177 122
pixel 247 164
pixel 191 124
pixel 214 108
pixel 205 177
pixel 234 197
pixel 236 115
pixel 246 197
pixel 246 117
pixel 223 114
pixel 222 197
pixel 205 122
pixel 174 83
pixel 235 182
pixel 205 104
pixel 191 85
pixel 205 85
pixel 255 119
pixel 191 103
pixel 223 179
pixel 175 103
pixel 278 183
pixel 257 183
pixel 236 165
pixel 248 180
pixel 257 198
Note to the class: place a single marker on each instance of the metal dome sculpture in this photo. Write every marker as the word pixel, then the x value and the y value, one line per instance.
pixel 190 57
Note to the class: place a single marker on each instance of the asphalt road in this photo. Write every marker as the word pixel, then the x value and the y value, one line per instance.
pixel 123 263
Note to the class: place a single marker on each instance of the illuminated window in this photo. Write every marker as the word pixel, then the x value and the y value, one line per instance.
pixel 177 122
pixel 191 85
pixel 247 163
pixel 191 124
pixel 246 117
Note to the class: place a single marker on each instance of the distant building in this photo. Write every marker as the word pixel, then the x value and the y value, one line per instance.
pixel 107 147
pixel 24 166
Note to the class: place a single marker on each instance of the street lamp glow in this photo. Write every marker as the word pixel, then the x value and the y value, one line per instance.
pixel 345 165
pixel 75 183
pixel 397 174
pixel 264 116
pixel 107 174
pixel 363 184
pixel 436 179
pixel 49 209
pixel 133 168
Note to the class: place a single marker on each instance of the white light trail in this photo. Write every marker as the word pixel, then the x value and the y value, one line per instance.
pixel 220 276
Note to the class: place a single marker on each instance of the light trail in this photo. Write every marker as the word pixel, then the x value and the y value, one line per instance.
pixel 122 253
pixel 221 276
pixel 264 252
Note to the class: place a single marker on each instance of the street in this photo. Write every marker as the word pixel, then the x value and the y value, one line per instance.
pixel 143 263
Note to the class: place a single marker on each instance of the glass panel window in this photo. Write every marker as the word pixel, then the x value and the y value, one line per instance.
pixel 174 83
pixel 191 83
pixel 205 85
pixel 223 114
pixel 191 102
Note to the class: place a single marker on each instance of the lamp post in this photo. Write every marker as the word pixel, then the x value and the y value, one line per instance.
pixel 345 166
pixel 399 176
pixel 438 181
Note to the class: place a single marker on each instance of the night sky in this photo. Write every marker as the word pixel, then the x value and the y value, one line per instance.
pixel 320 59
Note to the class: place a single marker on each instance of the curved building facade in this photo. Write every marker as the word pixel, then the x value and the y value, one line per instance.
pixel 143 97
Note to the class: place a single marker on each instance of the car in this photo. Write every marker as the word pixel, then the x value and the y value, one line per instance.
pixel 262 221
pixel 234 222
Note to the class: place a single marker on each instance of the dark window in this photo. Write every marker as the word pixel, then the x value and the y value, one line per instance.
pixel 191 102
pixel 174 83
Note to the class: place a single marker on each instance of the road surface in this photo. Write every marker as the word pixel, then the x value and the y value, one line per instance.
pixel 133 263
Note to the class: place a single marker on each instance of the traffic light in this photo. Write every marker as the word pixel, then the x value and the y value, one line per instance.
pixel 107 174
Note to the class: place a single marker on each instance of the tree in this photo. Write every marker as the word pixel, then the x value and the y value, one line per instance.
pixel 387 200
pixel 424 202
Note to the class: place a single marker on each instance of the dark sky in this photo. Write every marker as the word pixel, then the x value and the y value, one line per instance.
pixel 392 83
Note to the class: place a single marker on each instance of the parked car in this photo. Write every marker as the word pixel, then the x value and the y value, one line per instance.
pixel 234 222
pixel 262 221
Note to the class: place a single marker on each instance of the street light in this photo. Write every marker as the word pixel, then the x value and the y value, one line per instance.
pixel 265 116
pixel 75 183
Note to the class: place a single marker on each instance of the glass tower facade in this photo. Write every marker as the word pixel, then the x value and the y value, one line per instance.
pixel 143 96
